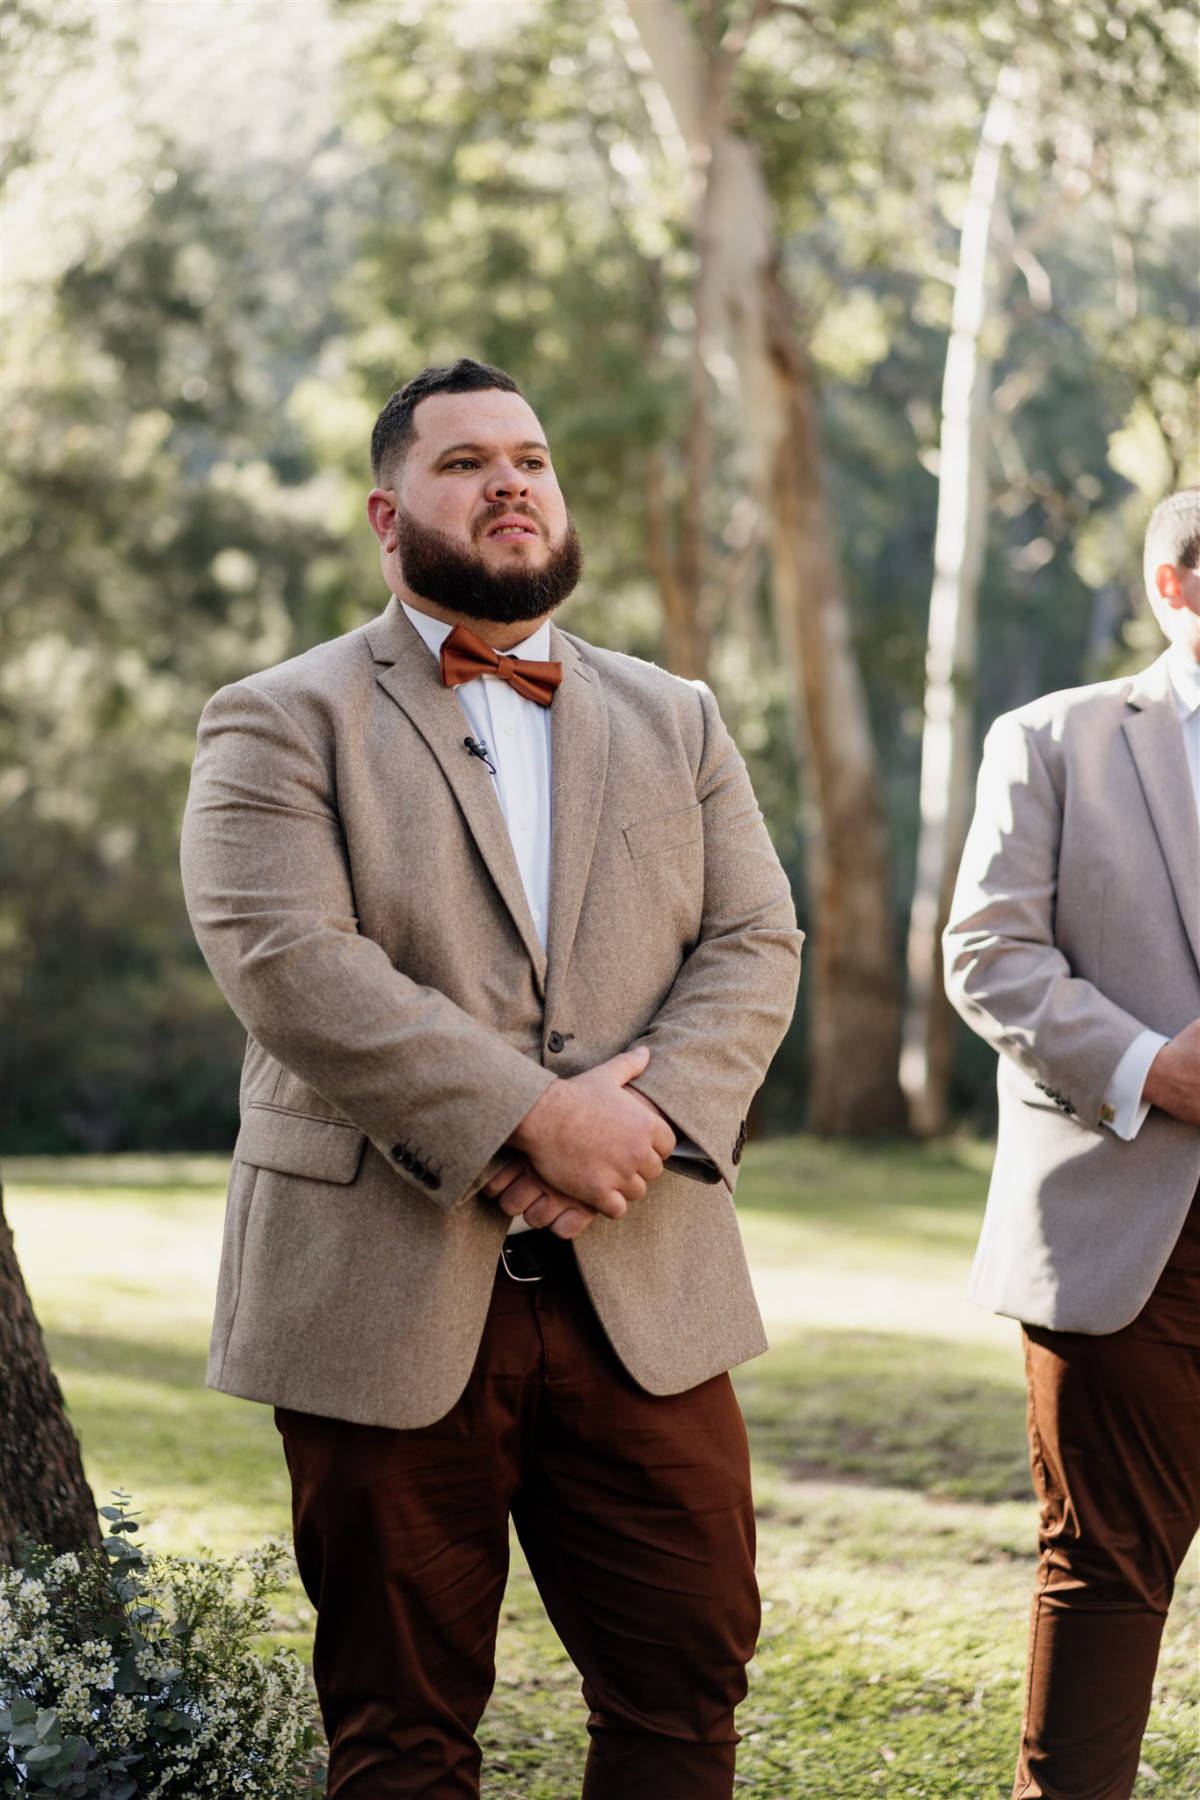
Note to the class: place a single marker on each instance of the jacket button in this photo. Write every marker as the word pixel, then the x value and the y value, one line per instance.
pixel 398 1153
pixel 556 1042
pixel 430 1179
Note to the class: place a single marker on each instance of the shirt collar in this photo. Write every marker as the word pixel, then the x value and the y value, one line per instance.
pixel 1184 671
pixel 535 648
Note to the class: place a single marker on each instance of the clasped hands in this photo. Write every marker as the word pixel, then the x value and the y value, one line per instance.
pixel 587 1147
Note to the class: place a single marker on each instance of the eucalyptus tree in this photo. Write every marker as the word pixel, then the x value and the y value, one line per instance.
pixel 854 995
pixel 1079 94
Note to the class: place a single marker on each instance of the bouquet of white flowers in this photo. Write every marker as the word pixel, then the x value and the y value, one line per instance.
pixel 127 1674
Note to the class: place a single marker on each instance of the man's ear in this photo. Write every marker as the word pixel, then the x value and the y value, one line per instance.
pixel 1166 580
pixel 381 511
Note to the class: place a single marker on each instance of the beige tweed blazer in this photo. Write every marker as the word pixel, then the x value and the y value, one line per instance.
pixel 1076 923
pixel 352 885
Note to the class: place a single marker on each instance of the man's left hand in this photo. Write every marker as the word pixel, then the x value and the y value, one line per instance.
pixel 522 1193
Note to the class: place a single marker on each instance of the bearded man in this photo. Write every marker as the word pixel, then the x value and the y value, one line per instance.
pixel 513 950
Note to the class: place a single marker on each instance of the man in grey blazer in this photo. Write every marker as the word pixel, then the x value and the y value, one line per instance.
pixel 1074 949
pixel 513 952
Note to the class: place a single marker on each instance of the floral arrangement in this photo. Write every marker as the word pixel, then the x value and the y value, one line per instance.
pixel 126 1675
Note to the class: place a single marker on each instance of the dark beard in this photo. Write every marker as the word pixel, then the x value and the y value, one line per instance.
pixel 460 581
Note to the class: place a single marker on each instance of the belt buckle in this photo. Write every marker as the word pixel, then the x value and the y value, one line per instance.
pixel 525 1280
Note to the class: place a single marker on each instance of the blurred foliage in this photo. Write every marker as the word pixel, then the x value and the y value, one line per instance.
pixel 225 246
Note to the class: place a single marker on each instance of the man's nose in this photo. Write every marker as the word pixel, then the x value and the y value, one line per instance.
pixel 507 482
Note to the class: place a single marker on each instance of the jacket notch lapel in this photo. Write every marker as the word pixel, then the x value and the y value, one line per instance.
pixel 408 674
pixel 1155 742
pixel 578 769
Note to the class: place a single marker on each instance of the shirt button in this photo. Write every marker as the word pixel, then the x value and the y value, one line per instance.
pixel 536 915
pixel 508 731
pixel 522 824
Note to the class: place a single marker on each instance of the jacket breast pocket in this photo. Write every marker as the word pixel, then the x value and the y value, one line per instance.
pixel 670 831
pixel 294 1143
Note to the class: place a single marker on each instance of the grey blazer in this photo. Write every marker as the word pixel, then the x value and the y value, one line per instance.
pixel 1075 923
pixel 352 884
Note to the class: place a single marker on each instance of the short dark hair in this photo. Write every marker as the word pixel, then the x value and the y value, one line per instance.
pixel 394 428
pixel 1173 535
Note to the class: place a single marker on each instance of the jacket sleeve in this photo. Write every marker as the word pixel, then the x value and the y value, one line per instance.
pixel 722 1021
pixel 1004 973
pixel 269 894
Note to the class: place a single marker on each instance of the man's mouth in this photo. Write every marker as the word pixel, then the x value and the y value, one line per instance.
pixel 511 525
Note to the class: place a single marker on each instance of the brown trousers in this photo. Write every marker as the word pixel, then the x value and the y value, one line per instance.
pixel 635 1516
pixel 1114 1435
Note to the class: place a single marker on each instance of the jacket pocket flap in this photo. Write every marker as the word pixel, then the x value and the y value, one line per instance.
pixel 299 1144
pixel 670 832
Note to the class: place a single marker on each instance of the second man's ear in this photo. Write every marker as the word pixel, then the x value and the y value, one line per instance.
pixel 1166 580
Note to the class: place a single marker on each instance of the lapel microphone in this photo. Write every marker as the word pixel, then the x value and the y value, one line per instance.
pixel 480 750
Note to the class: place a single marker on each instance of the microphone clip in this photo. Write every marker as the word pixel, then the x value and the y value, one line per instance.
pixel 480 750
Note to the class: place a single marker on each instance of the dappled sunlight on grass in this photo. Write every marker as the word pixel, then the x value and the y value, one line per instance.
pixel 896 1411
pixel 876 1239
pixel 141 1172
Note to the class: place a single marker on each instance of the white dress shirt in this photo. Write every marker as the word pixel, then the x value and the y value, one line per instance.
pixel 1124 1109
pixel 516 732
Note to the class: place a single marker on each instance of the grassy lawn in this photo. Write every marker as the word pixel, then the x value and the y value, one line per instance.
pixel 896 1527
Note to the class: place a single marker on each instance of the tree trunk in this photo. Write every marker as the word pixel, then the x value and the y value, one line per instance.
pixel 853 980
pixel 44 1495
pixel 947 739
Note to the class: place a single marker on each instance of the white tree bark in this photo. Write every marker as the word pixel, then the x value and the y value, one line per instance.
pixel 853 984
pixel 959 541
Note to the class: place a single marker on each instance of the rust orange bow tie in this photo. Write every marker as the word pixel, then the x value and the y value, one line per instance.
pixel 464 657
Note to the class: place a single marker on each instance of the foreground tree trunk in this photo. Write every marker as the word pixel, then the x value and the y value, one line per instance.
pixel 853 978
pixel 947 738
pixel 44 1494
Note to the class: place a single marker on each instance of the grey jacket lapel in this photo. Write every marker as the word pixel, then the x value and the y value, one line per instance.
pixel 578 768
pixel 408 674
pixel 1152 732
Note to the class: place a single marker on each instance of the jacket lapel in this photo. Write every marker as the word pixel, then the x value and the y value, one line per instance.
pixel 1152 733
pixel 578 768
pixel 408 674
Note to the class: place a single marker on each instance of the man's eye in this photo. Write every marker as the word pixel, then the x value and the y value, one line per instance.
pixel 461 462
pixel 533 462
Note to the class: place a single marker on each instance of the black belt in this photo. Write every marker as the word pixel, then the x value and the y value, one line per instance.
pixel 534 1255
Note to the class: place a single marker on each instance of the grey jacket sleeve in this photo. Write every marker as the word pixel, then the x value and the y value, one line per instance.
pixel 1004 972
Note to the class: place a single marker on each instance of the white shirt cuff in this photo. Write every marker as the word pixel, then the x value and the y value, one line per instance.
pixel 1124 1110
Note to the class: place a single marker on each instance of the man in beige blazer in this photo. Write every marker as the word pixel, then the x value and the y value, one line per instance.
pixel 500 916
pixel 1074 949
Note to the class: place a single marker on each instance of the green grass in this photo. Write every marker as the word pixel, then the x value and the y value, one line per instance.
pixel 887 1425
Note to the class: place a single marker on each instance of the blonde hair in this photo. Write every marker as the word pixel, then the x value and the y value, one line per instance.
pixel 1172 536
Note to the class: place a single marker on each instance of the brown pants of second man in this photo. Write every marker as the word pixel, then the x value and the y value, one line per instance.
pixel 1114 1433
pixel 635 1516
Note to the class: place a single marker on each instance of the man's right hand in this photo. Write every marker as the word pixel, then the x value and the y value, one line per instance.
pixel 1173 1078
pixel 591 1141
